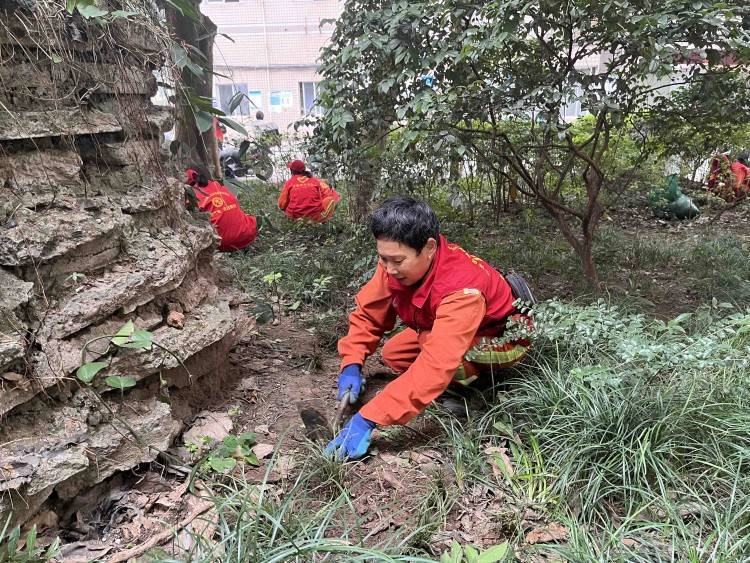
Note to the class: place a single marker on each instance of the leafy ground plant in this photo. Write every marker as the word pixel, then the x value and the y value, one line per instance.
pixel 128 337
pixel 14 549
pixel 641 420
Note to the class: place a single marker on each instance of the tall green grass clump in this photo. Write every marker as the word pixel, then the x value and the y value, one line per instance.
pixel 644 420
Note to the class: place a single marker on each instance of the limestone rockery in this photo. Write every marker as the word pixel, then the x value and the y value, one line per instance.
pixel 93 233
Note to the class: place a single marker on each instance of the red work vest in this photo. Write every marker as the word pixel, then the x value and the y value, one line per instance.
pixel 453 269
pixel 305 197
pixel 741 173
pixel 235 228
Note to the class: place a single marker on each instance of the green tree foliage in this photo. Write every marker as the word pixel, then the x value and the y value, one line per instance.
pixel 719 119
pixel 470 71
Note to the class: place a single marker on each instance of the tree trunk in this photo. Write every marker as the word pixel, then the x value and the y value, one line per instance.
pixel 583 247
pixel 197 147
pixel 586 256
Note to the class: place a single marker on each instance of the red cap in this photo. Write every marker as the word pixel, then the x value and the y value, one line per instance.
pixel 191 176
pixel 296 166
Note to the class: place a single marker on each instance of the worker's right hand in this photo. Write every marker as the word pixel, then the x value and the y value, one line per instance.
pixel 351 380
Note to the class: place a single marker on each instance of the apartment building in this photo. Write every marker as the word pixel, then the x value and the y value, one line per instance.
pixel 271 56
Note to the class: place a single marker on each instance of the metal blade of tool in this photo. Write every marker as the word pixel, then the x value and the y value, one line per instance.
pixel 317 427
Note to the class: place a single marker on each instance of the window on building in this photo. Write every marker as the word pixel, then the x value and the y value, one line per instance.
pixel 256 100
pixel 308 94
pixel 279 100
pixel 573 108
pixel 225 94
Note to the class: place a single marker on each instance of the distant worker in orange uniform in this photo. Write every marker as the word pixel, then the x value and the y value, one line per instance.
pixel 307 197
pixel 741 175
pixel 236 229
pixel 452 304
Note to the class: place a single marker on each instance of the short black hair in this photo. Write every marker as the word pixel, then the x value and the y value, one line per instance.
pixel 743 157
pixel 202 175
pixel 404 219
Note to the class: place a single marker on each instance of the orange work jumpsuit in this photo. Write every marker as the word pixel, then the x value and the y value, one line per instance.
pixel 311 198
pixel 461 300
pixel 235 227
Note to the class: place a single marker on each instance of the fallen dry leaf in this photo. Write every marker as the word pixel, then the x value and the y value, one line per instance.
pixel 16 378
pixel 395 460
pixel 285 464
pixel 392 479
pixel 12 376
pixel 262 450
pixel 377 526
pixel 551 532
pixel 139 527
pixel 84 551
pixel 500 454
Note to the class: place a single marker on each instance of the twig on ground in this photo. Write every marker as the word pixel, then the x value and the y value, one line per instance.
pixel 124 556
pixel 721 212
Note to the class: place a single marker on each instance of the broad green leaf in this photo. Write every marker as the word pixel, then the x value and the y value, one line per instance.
pixel 178 55
pixel 222 464
pixel 244 145
pixel 199 103
pixel 70 5
pixel 252 459
pixel 457 552
pixel 185 8
pixel 120 381
pixel 139 339
pixel 31 539
pixel 57 59
pixel 91 11
pixel 204 121
pixel 195 69
pixel 87 371
pixel 52 550
pixel 472 555
pixel 231 442
pixel 248 438
pixel 494 554
pixel 123 335
pixel 234 125
pixel 123 14
pixel 235 101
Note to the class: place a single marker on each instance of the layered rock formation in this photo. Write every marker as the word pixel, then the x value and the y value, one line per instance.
pixel 93 233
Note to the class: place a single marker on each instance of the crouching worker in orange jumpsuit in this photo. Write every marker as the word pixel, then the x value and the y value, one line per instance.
pixel 307 197
pixel 236 229
pixel 453 304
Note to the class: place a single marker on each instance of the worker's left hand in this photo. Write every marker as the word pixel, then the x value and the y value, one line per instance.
pixel 352 382
pixel 354 439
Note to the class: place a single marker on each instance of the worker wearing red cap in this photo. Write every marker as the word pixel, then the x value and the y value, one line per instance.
pixel 236 229
pixel 307 197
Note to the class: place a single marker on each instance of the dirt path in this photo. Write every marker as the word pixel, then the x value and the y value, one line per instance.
pixel 275 376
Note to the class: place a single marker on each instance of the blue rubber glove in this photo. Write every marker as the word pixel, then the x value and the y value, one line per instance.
pixel 351 380
pixel 354 439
